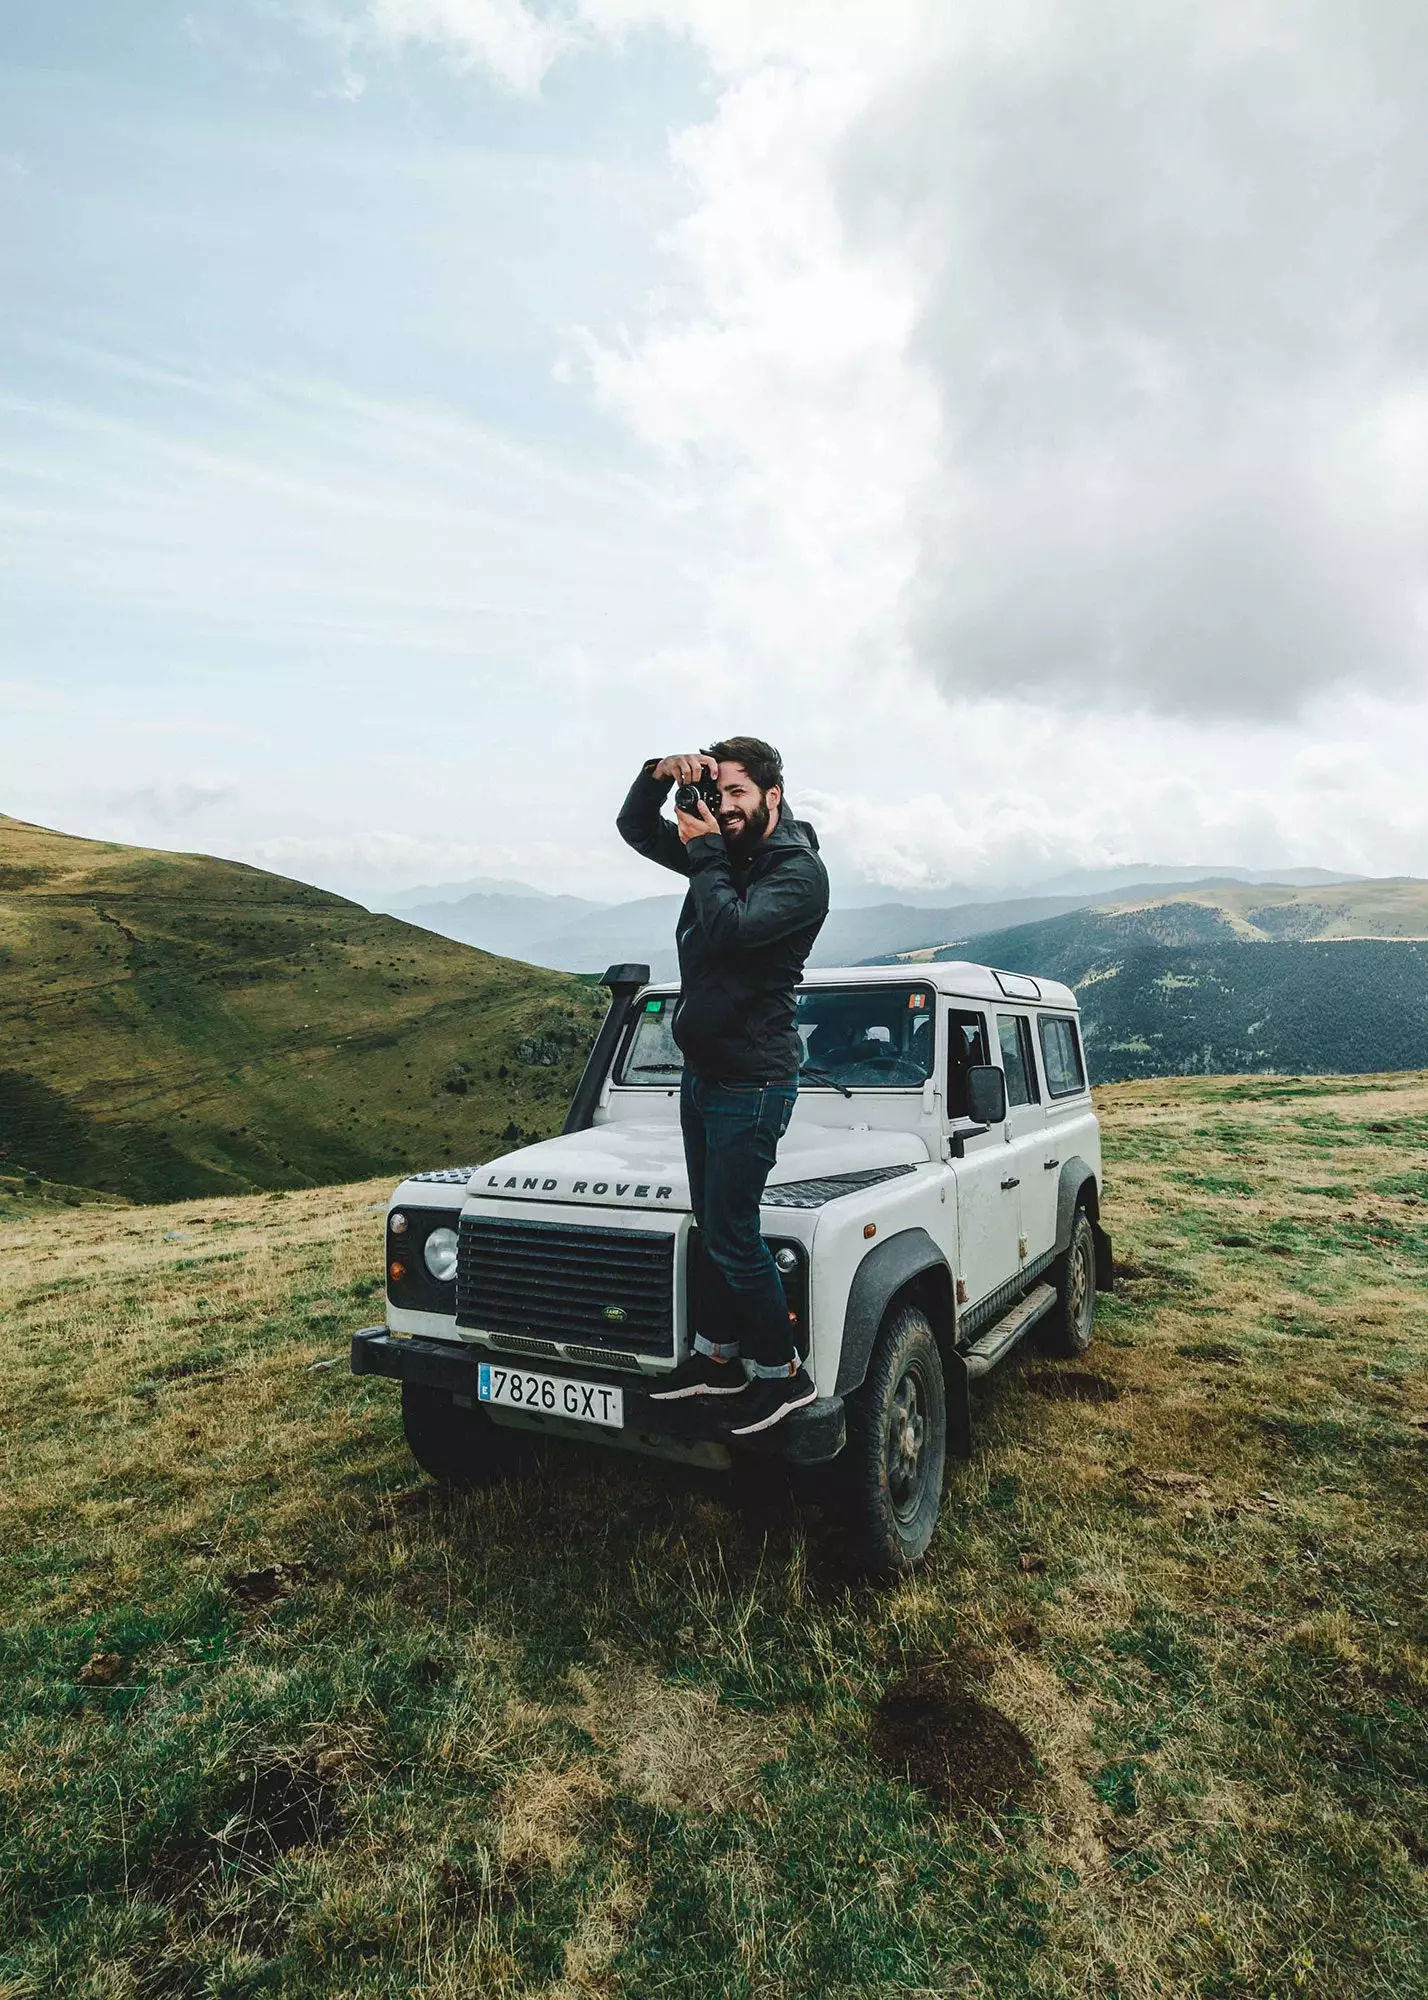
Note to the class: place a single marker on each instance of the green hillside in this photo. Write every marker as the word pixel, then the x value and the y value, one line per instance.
pixel 1171 989
pixel 175 1025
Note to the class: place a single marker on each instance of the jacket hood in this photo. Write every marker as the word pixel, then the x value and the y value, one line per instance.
pixel 630 1165
pixel 797 829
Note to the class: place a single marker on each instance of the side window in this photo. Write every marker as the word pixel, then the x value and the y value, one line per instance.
pixel 1014 1034
pixel 1061 1054
pixel 966 1046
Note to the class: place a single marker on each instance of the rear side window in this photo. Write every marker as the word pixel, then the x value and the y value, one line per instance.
pixel 966 1046
pixel 1061 1053
pixel 1014 1034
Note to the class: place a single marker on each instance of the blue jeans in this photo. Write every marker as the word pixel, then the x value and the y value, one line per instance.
pixel 731 1134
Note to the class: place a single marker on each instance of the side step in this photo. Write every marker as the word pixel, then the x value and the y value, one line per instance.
pixel 1002 1336
pixel 968 1365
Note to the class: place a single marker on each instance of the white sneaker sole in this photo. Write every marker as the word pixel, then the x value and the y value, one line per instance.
pixel 697 1389
pixel 774 1417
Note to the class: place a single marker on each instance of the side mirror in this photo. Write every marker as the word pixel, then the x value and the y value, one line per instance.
pixel 986 1094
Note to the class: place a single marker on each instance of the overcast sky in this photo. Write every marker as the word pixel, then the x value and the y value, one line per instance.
pixel 414 413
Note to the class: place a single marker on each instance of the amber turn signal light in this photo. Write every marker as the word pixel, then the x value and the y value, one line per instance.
pixel 396 1270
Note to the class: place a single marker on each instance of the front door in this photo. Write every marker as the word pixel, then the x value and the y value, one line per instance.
pixel 988 1209
pixel 1026 1127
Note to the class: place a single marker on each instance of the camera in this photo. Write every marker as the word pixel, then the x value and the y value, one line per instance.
pixel 687 797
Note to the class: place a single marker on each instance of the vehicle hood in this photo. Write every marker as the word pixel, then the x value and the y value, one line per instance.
pixel 633 1165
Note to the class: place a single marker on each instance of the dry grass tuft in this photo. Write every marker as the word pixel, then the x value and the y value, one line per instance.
pixel 541 1811
pixel 674 1743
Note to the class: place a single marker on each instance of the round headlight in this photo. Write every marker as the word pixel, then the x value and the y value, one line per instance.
pixel 439 1254
pixel 786 1259
pixel 397 1223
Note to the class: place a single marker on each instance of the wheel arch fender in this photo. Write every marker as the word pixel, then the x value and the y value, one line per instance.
pixel 909 1262
pixel 1079 1188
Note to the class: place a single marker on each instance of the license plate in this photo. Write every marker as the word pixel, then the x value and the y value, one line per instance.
pixel 550 1395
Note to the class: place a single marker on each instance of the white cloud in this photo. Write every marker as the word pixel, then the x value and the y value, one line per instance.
pixel 1059 346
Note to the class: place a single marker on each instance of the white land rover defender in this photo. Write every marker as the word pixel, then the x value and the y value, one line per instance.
pixel 937 1195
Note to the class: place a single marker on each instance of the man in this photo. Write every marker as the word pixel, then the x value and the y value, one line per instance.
pixel 758 894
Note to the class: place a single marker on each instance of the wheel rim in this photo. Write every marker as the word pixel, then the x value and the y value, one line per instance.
pixel 906 1449
pixel 1078 1289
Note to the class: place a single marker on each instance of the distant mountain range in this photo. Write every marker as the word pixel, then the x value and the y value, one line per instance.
pixel 574 934
pixel 1236 978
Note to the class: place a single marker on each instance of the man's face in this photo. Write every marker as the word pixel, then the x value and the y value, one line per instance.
pixel 744 811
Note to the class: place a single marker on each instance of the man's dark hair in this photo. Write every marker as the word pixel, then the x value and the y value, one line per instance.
pixel 759 759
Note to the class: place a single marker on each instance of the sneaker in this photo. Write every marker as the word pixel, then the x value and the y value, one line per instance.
pixel 770 1400
pixel 704 1376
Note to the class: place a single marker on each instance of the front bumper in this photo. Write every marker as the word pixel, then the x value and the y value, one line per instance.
pixel 809 1436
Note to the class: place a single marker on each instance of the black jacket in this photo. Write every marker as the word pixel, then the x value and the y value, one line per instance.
pixel 743 935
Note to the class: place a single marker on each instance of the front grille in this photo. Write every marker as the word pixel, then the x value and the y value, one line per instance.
pixel 600 1358
pixel 565 1281
pixel 517 1343
pixel 554 1350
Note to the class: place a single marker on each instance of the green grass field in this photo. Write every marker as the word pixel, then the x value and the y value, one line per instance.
pixel 171 1025
pixel 280 1720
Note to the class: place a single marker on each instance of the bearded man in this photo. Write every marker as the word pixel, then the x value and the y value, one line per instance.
pixel 758 894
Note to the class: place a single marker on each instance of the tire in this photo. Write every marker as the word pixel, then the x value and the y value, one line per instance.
pixel 1071 1321
pixel 458 1447
pixel 893 1464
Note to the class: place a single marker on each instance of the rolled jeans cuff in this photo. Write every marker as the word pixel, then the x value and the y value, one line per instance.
pixel 760 1373
pixel 717 1350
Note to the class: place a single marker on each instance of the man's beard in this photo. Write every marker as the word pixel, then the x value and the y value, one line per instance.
pixel 744 837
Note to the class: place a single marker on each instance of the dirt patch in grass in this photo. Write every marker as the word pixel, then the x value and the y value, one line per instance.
pixel 257 1588
pixel 932 1730
pixel 1071 1385
pixel 285 1803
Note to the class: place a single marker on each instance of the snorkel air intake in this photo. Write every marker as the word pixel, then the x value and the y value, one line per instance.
pixel 624 982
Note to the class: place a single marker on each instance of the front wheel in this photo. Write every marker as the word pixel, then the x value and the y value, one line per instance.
pixel 457 1446
pixel 1072 1319
pixel 892 1467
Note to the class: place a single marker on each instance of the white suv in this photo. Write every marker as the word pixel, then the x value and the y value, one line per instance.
pixel 937 1195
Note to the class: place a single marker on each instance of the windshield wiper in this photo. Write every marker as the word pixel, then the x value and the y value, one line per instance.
pixel 657 1069
pixel 825 1076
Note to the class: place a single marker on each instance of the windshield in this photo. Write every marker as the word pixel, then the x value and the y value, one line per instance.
pixel 651 1054
pixel 854 1037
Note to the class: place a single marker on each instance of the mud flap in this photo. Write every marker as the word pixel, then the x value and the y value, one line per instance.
pixel 1105 1262
pixel 959 1404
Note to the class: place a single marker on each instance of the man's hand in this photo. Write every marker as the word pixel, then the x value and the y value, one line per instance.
pixel 687 769
pixel 692 827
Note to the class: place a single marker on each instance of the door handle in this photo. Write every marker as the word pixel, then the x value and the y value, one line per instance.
pixel 1011 1181
pixel 1049 1164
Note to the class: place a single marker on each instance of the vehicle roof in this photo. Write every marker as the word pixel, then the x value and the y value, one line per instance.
pixel 955 976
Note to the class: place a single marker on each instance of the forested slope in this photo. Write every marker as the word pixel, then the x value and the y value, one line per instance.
pixel 1167 992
